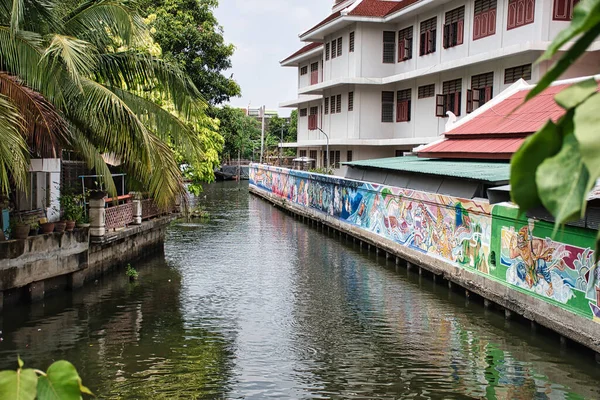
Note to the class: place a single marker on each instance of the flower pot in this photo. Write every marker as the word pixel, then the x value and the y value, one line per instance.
pixel 70 226
pixel 47 227
pixel 33 231
pixel 83 225
pixel 60 226
pixel 97 194
pixel 22 231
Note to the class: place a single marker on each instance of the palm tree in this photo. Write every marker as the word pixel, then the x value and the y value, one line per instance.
pixel 83 80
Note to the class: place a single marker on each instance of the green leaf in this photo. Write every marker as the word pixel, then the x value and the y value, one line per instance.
pixel 535 149
pixel 576 94
pixel 565 61
pixel 585 16
pixel 18 385
pixel 61 383
pixel 563 182
pixel 587 122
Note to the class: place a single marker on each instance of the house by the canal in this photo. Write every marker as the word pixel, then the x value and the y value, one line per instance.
pixel 378 77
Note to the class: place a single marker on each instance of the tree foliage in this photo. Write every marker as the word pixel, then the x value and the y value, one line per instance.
pixel 240 132
pixel 558 166
pixel 190 35
pixel 60 382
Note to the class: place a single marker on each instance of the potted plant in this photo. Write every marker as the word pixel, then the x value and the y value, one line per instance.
pixel 34 228
pixel 19 229
pixel 98 193
pixel 84 221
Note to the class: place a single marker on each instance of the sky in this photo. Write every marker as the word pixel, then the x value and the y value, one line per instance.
pixel 265 32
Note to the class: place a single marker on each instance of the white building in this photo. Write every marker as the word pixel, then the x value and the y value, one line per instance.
pixel 378 76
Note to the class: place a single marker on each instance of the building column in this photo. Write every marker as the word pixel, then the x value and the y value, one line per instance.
pixel 97 217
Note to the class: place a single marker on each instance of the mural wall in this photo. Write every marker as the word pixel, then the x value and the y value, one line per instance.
pixel 489 240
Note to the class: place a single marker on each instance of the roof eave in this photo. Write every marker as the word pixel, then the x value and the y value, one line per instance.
pixel 294 61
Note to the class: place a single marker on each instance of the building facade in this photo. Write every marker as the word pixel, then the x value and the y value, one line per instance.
pixel 382 77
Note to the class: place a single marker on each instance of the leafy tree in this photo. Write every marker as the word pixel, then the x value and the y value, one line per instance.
pixel 189 34
pixel 84 78
pixel 558 165
pixel 240 132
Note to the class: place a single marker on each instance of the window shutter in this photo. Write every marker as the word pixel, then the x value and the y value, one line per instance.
pixel 339 47
pixel 423 44
pixel 469 101
pixel 401 50
pixel 477 20
pixel 512 14
pixel 440 105
pixel 476 96
pixel 399 105
pixel 488 93
pixel 460 29
pixel 529 11
pixel 333 49
pixel 326 51
pixel 456 110
pixel 407 48
pixel 432 41
pixel 326 105
pixel 491 30
pixel 338 105
pixel 446 36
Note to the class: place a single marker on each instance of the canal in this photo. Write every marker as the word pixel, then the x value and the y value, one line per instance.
pixel 252 303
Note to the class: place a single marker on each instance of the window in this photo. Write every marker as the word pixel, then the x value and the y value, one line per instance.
pixel 520 13
pixel 428 33
pixel 326 105
pixel 304 70
pixel 333 49
pixel 338 103
pixel 482 90
pixel 313 118
pixel 334 158
pixel 339 47
pixel 403 105
pixel 389 47
pixel 350 101
pixel 484 21
pixel 349 156
pixel 313 154
pixel 351 46
pixel 426 91
pixel 511 75
pixel 454 27
pixel 563 9
pixel 303 112
pixel 405 41
pixel 314 73
pixel 449 100
pixel 387 106
pixel 302 153
pixel 326 51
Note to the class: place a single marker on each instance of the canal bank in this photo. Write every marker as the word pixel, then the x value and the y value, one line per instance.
pixel 466 242
pixel 250 303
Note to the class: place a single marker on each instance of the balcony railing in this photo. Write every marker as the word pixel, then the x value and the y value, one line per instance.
pixel 118 216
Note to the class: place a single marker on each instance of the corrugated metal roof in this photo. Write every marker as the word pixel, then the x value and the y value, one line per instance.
pixel 498 120
pixel 488 148
pixel 480 171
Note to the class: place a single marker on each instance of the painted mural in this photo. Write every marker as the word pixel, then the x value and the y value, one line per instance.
pixel 466 233
pixel 442 226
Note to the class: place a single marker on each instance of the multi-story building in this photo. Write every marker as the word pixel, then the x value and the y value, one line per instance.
pixel 380 77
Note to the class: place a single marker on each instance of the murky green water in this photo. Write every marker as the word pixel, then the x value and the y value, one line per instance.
pixel 253 304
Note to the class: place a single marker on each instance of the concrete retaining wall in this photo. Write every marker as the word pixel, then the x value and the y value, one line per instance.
pixel 32 268
pixel 463 250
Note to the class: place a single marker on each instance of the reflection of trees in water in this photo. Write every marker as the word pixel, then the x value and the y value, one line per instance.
pixel 373 332
pixel 129 340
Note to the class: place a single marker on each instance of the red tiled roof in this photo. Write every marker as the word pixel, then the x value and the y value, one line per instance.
pixel 488 148
pixel 303 50
pixel 379 8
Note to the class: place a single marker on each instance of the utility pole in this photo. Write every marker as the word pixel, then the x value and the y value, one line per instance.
pixel 262 133
pixel 327 154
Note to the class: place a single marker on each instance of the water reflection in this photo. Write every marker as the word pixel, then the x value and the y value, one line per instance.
pixel 253 304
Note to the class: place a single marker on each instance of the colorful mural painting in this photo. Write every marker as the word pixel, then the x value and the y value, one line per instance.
pixel 463 232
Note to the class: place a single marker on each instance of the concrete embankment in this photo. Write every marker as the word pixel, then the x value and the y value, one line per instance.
pixel 32 268
pixel 467 249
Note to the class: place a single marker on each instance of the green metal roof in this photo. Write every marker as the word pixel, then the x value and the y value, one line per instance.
pixel 474 170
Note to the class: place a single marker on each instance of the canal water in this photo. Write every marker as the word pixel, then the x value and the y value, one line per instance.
pixel 254 304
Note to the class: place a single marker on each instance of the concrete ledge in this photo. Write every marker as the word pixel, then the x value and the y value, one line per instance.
pixel 570 325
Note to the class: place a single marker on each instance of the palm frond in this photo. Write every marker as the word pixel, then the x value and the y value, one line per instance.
pixel 77 55
pixel 16 15
pixel 14 156
pixel 43 127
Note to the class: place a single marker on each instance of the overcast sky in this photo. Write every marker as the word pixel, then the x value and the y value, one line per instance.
pixel 265 32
